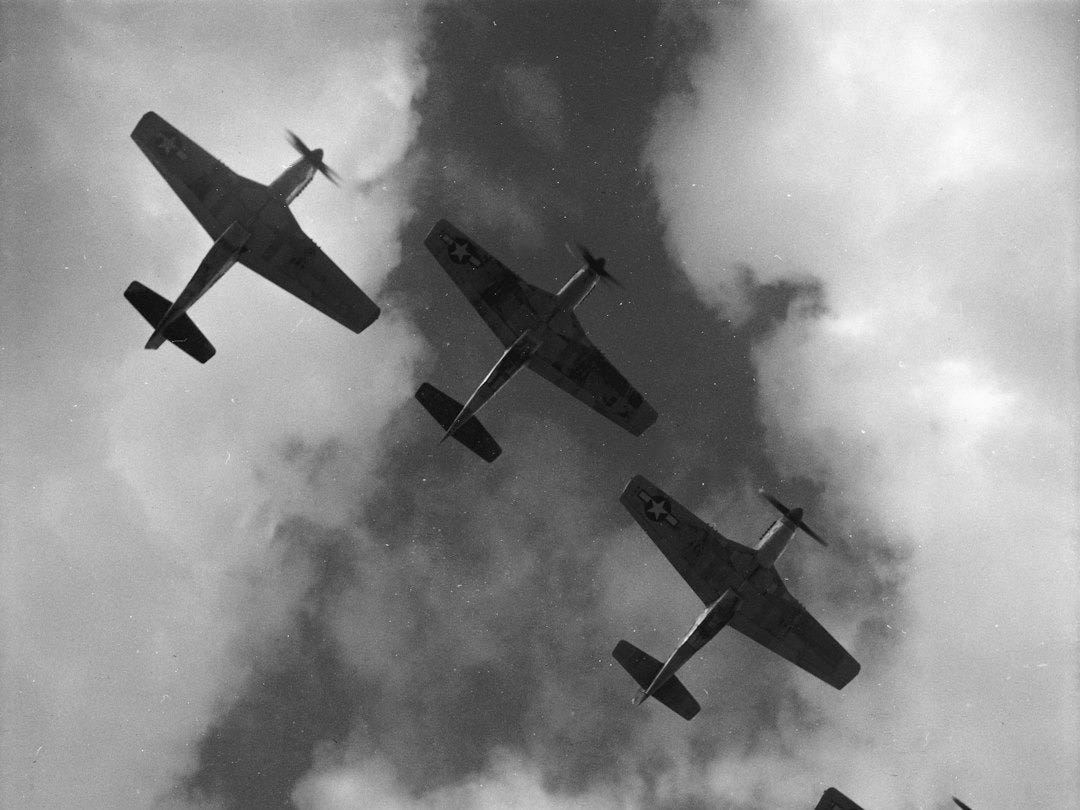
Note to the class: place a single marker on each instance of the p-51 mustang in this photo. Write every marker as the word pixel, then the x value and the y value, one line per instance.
pixel 833 799
pixel 250 223
pixel 539 330
pixel 739 586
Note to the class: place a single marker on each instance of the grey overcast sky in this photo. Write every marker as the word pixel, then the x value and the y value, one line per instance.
pixel 848 238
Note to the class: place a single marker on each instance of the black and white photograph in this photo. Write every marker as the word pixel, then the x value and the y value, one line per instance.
pixel 540 404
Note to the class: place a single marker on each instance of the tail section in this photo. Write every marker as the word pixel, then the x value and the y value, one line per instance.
pixel 833 799
pixel 182 332
pixel 644 668
pixel 471 433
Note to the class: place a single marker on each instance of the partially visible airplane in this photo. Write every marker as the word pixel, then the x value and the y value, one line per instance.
pixel 833 799
pixel 539 330
pixel 250 223
pixel 738 585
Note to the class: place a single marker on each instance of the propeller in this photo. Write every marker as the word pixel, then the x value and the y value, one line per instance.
pixel 594 263
pixel 795 515
pixel 314 157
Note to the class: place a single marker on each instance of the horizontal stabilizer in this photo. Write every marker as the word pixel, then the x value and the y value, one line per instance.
pixel 471 433
pixel 183 333
pixel 643 667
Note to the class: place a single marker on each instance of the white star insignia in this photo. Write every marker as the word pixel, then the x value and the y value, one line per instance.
pixel 460 252
pixel 657 509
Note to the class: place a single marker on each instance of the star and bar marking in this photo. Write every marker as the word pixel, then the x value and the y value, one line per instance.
pixel 657 508
pixel 460 251
pixel 167 144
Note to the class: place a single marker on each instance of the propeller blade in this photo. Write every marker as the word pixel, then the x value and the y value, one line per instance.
pixel 330 174
pixel 586 254
pixel 302 148
pixel 298 144
pixel 596 264
pixel 787 513
pixel 776 503
pixel 960 804
pixel 812 533
pixel 606 276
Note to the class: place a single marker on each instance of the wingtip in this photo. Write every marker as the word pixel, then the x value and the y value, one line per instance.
pixel 631 486
pixel 432 238
pixel 646 418
pixel 362 314
pixel 846 672
pixel 149 118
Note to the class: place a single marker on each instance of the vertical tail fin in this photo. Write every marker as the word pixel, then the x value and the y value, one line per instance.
pixel 182 333
pixel 643 668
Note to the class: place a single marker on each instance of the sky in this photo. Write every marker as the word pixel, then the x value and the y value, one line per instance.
pixel 847 235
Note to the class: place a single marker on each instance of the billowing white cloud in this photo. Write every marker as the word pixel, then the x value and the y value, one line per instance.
pixel 921 162
pixel 508 782
pixel 492 205
pixel 148 487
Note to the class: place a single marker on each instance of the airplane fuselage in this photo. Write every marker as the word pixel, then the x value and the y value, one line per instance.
pixel 776 538
pixel 288 185
pixel 716 616
pixel 575 291
pixel 227 248
pixel 516 357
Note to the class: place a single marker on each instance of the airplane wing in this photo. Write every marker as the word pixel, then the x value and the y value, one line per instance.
pixel 286 256
pixel 215 194
pixel 506 303
pixel 709 562
pixel 833 799
pixel 772 617
pixel 568 359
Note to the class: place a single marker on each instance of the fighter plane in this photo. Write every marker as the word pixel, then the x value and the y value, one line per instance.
pixel 833 799
pixel 539 330
pixel 250 223
pixel 738 585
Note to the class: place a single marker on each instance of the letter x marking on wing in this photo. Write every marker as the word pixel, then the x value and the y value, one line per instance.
pixel 657 509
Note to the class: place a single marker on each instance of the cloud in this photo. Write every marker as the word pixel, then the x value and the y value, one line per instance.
pixel 508 782
pixel 928 191
pixel 153 488
pixel 486 203
pixel 259 581
pixel 535 102
pixel 409 629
